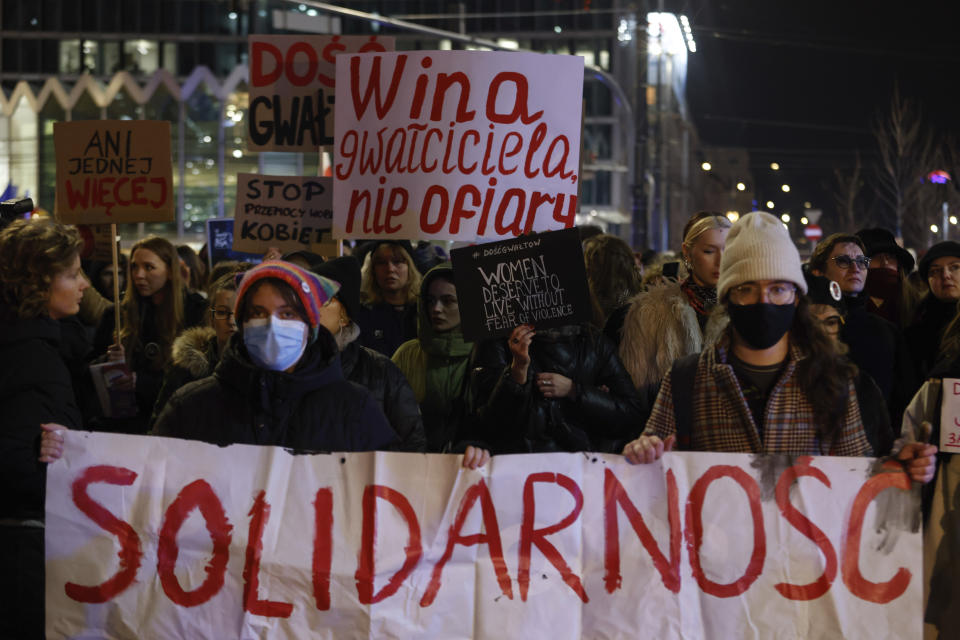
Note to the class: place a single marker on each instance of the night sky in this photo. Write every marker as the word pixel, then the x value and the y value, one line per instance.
pixel 799 83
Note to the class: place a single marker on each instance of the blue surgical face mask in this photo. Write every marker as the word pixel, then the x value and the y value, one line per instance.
pixel 273 343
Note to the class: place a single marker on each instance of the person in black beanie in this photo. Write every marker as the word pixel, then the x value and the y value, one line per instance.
pixel 364 366
pixel 888 291
pixel 940 268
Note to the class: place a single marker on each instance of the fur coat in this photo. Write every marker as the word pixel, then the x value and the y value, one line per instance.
pixel 660 328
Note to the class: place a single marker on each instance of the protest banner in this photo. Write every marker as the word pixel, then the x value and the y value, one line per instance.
pixel 113 171
pixel 538 279
pixel 220 243
pixel 291 213
pixel 456 145
pixel 950 416
pixel 292 88
pixel 161 538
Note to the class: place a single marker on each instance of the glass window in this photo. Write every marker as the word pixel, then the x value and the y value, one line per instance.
pixel 141 57
pixel 69 56
pixel 123 107
pixel 90 50
pixel 50 59
pixel 51 113
pixel 88 15
pixel 236 159
pixel 85 109
pixel 202 177
pixel 30 55
pixel 169 58
pixel 112 61
pixel 11 56
pixel 50 16
pixel 163 106
pixel 24 149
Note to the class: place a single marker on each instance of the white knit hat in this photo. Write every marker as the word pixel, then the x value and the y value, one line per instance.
pixel 759 248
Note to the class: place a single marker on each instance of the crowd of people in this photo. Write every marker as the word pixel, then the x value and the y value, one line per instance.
pixel 736 347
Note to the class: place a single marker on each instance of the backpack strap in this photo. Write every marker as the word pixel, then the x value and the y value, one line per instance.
pixel 682 374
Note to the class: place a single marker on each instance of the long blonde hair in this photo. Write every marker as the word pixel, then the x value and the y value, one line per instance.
pixel 169 312
pixel 370 290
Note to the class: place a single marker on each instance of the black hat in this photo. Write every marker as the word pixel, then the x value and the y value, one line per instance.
pixel 346 271
pixel 821 290
pixel 312 259
pixel 880 240
pixel 948 249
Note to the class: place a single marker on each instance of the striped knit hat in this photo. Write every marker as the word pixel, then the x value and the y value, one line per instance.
pixel 759 248
pixel 314 291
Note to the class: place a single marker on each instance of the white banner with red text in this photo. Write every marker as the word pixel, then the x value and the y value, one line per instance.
pixel 456 145
pixel 162 538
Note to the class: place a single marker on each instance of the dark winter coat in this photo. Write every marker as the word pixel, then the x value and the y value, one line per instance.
pixel 383 328
pixel 601 413
pixel 878 347
pixel 149 369
pixel 924 334
pixel 377 374
pixel 194 355
pixel 35 388
pixel 312 408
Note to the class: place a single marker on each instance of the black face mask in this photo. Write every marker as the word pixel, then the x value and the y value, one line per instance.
pixel 761 325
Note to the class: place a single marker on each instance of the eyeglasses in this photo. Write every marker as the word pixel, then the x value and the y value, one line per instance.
pixel 846 262
pixel 751 293
pixel 952 269
pixel 221 314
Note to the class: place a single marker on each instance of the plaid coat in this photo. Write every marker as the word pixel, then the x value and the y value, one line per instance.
pixel 722 420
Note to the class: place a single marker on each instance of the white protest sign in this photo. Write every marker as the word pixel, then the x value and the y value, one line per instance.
pixel 456 145
pixel 950 416
pixel 161 538
pixel 292 213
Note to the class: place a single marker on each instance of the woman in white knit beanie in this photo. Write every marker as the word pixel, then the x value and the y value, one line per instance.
pixel 775 383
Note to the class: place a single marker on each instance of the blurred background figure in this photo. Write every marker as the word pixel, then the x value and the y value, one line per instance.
pixel 366 367
pixel 156 307
pixel 940 268
pixel 614 279
pixel 436 362
pixel 666 323
pixel 888 291
pixel 388 294
pixel 196 270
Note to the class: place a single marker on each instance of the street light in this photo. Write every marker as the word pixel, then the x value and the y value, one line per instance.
pixel 741 186
pixel 770 204
pixel 785 217
pixel 785 188
pixel 934 228
pixel 807 205
pixel 775 166
pixel 953 219
pixel 804 220
pixel 706 166
pixel 733 216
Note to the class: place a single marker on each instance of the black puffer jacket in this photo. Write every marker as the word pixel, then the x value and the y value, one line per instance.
pixel 601 413
pixel 311 409
pixel 384 380
pixel 35 388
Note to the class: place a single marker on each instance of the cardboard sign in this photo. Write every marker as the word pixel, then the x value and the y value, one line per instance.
pixel 289 212
pixel 950 416
pixel 112 171
pixel 163 538
pixel 220 243
pixel 292 88
pixel 456 145
pixel 538 279
pixel 96 242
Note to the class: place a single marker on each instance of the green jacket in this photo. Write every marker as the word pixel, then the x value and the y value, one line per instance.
pixel 437 366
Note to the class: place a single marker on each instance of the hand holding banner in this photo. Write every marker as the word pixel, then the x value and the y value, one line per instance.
pixel 164 538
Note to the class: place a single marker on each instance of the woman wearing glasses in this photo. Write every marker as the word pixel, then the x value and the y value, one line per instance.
pixel 774 383
pixel 876 345
pixel 940 269
pixel 196 351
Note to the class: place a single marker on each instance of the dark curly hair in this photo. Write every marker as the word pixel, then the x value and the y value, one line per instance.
pixel 33 253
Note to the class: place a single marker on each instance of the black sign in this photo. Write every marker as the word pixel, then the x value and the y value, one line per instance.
pixel 536 279
pixel 220 243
